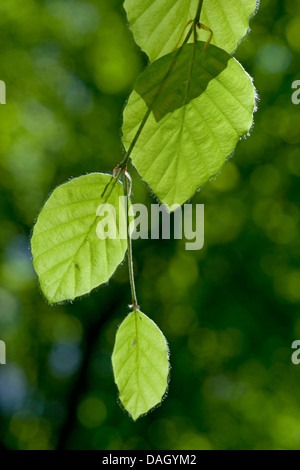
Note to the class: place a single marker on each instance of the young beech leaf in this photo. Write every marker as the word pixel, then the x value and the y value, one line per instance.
pixel 204 107
pixel 158 25
pixel 68 256
pixel 140 364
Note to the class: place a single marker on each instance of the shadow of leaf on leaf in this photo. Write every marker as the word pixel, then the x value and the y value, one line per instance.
pixel 178 78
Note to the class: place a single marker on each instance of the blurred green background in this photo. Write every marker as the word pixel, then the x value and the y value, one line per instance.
pixel 230 311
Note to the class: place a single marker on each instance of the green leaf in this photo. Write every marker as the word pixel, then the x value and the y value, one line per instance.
pixel 140 364
pixel 68 256
pixel 205 106
pixel 158 25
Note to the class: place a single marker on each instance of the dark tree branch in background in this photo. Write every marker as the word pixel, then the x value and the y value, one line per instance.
pixel 80 384
pixel 4 446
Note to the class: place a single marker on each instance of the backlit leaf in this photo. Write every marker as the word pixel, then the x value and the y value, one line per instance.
pixel 68 256
pixel 140 364
pixel 158 25
pixel 204 108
